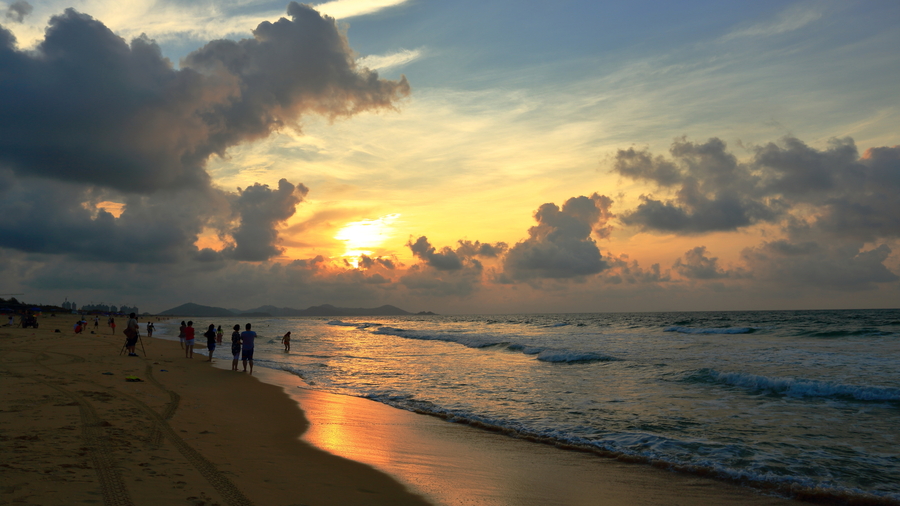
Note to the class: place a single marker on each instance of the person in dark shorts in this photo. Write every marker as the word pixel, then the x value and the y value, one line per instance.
pixel 236 346
pixel 247 338
pixel 210 336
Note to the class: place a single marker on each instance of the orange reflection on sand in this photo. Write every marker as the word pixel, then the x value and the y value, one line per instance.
pixel 337 431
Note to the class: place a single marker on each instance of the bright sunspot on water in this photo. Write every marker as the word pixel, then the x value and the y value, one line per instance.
pixel 360 237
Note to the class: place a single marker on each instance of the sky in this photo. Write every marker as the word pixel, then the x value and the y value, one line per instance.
pixel 455 157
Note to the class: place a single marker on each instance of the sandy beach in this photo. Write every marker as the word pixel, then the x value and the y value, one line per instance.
pixel 75 430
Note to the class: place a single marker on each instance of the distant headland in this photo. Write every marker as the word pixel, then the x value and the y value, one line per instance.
pixel 191 309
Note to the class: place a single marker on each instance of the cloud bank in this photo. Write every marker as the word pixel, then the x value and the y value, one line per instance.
pixel 88 117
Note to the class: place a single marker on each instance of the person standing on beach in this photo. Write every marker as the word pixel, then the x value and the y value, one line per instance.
pixel 236 346
pixel 181 333
pixel 210 336
pixel 150 329
pixel 96 322
pixel 219 335
pixel 286 341
pixel 189 340
pixel 112 324
pixel 247 338
pixel 131 334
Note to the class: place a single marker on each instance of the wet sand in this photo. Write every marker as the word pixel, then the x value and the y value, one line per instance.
pixel 73 430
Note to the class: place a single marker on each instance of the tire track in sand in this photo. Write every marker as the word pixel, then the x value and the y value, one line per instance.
pixel 228 490
pixel 156 435
pixel 112 487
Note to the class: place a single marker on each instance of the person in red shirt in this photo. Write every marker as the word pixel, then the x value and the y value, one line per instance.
pixel 189 340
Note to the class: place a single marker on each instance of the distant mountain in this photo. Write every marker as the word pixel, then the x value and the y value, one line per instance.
pixel 192 309
pixel 329 310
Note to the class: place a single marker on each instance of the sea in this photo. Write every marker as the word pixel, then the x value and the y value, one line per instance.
pixel 804 404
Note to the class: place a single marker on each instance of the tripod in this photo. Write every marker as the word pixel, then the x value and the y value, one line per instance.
pixel 126 345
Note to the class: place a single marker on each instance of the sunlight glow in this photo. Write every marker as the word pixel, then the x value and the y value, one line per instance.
pixel 114 208
pixel 360 237
pixel 348 8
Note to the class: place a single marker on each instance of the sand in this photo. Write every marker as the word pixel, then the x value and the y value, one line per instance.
pixel 74 430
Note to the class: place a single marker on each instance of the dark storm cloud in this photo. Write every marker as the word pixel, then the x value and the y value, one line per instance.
pixel 856 196
pixel 715 192
pixel 260 210
pixel 18 10
pixel 472 249
pixel 445 260
pixel 43 216
pixel 712 191
pixel 86 117
pixel 432 282
pixel 86 106
pixel 843 267
pixel 621 270
pixel 448 272
pixel 696 265
pixel 367 262
pixel 560 245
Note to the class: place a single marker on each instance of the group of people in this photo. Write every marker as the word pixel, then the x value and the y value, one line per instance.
pixel 242 343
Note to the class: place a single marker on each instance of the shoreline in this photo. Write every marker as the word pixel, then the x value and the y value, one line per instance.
pixel 453 464
pixel 208 435
pixel 74 429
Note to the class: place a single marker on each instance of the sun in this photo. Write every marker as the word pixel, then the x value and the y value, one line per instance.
pixel 361 237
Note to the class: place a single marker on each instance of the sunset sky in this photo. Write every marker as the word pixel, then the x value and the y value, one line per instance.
pixel 457 157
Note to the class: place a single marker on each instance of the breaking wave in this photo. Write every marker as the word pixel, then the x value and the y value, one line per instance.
pixel 797 387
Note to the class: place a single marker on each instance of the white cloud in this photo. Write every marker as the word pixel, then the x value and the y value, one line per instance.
pixel 348 8
pixel 788 20
pixel 378 62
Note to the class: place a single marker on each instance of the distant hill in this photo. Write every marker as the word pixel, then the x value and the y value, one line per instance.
pixel 329 310
pixel 192 309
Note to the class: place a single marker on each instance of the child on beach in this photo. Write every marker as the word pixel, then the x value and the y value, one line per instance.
pixel 112 324
pixel 219 335
pixel 286 341
pixel 236 346
pixel 189 340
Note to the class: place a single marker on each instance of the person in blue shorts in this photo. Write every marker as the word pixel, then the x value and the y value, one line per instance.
pixel 247 338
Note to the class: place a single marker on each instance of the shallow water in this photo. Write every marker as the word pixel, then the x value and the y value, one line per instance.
pixel 794 401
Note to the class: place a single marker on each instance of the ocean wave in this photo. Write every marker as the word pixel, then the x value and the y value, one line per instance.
pixel 468 340
pixel 526 350
pixel 572 357
pixel 797 387
pixel 359 325
pixel 711 330
pixel 850 333
pixel 486 341
pixel 640 448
